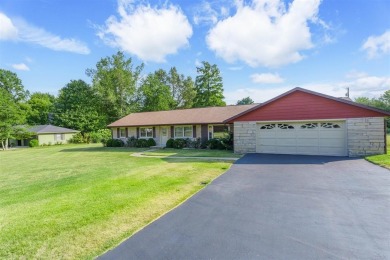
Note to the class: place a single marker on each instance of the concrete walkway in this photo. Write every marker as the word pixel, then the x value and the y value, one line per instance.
pixel 141 154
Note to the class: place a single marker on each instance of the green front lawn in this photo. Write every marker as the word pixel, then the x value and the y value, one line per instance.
pixel 192 153
pixel 76 201
pixel 383 159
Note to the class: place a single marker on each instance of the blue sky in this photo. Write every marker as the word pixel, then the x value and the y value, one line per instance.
pixel 262 47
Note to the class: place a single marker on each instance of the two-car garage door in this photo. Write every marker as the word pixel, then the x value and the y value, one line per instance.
pixel 310 138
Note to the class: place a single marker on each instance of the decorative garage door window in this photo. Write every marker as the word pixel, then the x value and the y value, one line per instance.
pixel 309 126
pixel 269 126
pixel 330 125
pixel 285 126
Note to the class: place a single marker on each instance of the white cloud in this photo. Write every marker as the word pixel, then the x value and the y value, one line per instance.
pixel 376 46
pixel 205 14
pixel 20 30
pixel 360 85
pixel 8 31
pixel 265 32
pixel 151 33
pixel 266 78
pixel 20 66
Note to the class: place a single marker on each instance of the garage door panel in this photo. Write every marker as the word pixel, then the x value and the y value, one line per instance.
pixel 307 142
pixel 309 138
pixel 331 142
pixel 307 134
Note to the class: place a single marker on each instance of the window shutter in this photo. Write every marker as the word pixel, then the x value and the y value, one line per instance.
pixel 112 133
pixel 127 132
pixel 172 132
pixel 194 131
pixel 117 132
pixel 62 136
pixel 154 132
pixel 137 132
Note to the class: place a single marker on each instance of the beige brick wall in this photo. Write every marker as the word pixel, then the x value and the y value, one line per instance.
pixel 365 136
pixel 244 137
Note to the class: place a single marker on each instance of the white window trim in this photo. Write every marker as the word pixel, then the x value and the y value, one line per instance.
pixel 145 137
pixel 120 132
pixel 183 136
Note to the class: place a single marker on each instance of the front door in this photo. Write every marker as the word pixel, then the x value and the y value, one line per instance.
pixel 163 136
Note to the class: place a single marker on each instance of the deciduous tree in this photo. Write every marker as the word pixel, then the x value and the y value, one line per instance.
pixel 208 86
pixel 41 105
pixel 76 108
pixel 115 81
pixel 245 101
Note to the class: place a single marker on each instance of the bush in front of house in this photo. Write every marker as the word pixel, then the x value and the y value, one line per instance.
pixel 114 143
pixel 141 143
pixel 131 141
pixel 151 142
pixel 179 143
pixel 33 143
pixel 196 144
pixel 215 144
pixel 77 139
pixel 169 143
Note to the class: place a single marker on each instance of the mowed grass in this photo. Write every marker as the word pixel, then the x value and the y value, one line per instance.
pixel 77 201
pixel 383 159
pixel 192 153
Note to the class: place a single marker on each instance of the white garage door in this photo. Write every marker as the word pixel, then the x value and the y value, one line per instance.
pixel 311 138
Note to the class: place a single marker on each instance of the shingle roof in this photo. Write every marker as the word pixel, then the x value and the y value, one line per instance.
pixel 50 129
pixel 205 115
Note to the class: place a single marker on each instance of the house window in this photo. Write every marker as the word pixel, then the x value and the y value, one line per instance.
pixel 146 132
pixel 59 137
pixel 122 132
pixel 220 131
pixel 183 131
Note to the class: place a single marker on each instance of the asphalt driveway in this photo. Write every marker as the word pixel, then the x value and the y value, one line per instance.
pixel 276 207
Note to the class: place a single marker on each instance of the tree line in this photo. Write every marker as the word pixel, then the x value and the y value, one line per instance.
pixel 118 88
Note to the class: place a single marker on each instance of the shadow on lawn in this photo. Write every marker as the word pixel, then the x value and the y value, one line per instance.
pixel 105 149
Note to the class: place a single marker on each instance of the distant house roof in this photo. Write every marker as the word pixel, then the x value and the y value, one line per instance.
pixel 205 115
pixel 50 129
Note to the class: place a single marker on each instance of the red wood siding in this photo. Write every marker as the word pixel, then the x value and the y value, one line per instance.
pixel 300 106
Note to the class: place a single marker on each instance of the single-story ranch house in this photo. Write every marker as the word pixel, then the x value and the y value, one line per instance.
pixel 297 122
pixel 47 135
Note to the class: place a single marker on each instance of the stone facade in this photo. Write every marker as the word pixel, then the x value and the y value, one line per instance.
pixel 365 136
pixel 244 137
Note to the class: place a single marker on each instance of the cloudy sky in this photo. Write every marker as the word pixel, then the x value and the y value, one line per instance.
pixel 262 47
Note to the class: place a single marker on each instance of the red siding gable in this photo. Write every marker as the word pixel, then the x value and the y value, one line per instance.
pixel 300 105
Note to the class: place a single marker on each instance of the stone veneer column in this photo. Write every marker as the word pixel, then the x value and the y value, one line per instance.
pixel 366 136
pixel 244 137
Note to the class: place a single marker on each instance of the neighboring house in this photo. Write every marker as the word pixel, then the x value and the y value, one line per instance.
pixel 47 135
pixel 297 122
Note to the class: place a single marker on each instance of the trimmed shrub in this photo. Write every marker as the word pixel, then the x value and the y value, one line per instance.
pixel 141 143
pixel 215 144
pixel 131 141
pixel 193 143
pixel 151 142
pixel 114 143
pixel 33 143
pixel 179 143
pixel 169 143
